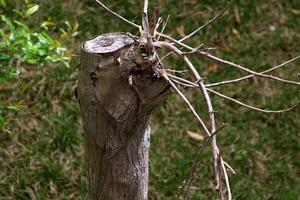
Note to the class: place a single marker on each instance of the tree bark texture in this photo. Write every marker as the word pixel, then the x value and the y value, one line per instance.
pixel 117 93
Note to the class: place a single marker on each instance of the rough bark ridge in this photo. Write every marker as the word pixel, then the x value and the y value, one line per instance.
pixel 116 96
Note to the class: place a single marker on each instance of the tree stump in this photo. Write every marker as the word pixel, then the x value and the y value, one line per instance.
pixel 117 94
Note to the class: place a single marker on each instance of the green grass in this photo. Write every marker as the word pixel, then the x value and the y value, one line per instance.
pixel 42 157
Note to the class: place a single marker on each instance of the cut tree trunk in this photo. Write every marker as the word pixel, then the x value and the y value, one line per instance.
pixel 116 96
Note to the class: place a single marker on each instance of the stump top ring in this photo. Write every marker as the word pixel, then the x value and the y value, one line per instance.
pixel 107 43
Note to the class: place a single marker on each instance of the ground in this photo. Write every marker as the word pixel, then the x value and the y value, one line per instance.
pixel 42 157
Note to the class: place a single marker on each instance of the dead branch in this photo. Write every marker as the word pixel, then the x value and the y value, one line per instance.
pixel 164 26
pixel 219 60
pixel 149 42
pixel 117 15
pixel 252 107
pixel 187 83
pixel 229 167
pixel 222 61
pixel 204 91
pixel 188 181
pixel 182 84
pixel 226 179
pixel 253 75
pixel 146 7
pixel 165 76
pixel 220 14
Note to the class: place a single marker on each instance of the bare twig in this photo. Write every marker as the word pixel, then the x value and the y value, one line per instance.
pixel 159 21
pixel 251 107
pixel 204 91
pixel 229 167
pixel 147 44
pixel 145 20
pixel 248 70
pixel 164 26
pixel 146 7
pixel 187 184
pixel 175 41
pixel 176 71
pixel 207 23
pixel 117 15
pixel 195 50
pixel 182 84
pixel 226 179
pixel 181 54
pixel 165 76
pixel 161 59
pixel 219 60
pixel 252 75
pixel 187 83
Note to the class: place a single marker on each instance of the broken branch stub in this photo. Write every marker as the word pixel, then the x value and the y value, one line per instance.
pixel 116 96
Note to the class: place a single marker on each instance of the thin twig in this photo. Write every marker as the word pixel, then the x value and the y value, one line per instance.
pixel 207 23
pixel 117 15
pixel 165 56
pixel 164 26
pixel 204 91
pixel 252 107
pixel 145 20
pixel 195 50
pixel 161 59
pixel 252 75
pixel 229 167
pixel 248 70
pixel 176 71
pixel 149 35
pixel 189 179
pixel 226 179
pixel 164 75
pixel 175 41
pixel 182 84
pixel 181 54
pixel 146 6
pixel 187 83
pixel 159 21
pixel 219 60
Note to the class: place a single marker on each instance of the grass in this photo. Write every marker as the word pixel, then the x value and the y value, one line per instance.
pixel 42 157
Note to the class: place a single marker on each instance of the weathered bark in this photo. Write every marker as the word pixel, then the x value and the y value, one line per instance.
pixel 116 96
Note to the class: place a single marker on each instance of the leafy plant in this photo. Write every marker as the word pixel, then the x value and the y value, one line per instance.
pixel 22 45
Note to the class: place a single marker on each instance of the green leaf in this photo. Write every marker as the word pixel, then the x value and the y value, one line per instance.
pixel 4 57
pixel 22 25
pixel 32 8
pixel 7 72
pixel 14 108
pixel 8 22
pixel 44 38
pixel 19 12
pixel 2 3
pixel 46 24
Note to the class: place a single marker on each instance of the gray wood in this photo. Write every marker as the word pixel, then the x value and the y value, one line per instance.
pixel 116 116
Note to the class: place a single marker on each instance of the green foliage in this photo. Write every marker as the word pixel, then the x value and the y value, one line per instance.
pixel 2 3
pixel 23 45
